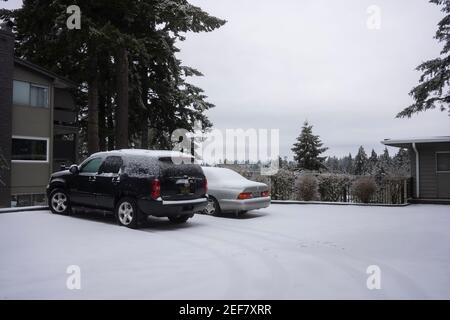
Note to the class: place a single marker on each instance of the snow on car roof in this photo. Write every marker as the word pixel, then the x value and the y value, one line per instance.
pixel 156 153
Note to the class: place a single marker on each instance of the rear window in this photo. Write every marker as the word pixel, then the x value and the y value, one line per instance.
pixel 112 164
pixel 220 174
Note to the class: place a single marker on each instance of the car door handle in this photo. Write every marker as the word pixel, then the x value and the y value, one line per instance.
pixel 115 179
pixel 92 179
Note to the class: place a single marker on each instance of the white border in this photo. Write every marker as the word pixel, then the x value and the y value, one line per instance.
pixel 33 138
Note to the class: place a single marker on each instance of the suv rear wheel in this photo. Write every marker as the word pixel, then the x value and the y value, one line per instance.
pixel 59 202
pixel 127 213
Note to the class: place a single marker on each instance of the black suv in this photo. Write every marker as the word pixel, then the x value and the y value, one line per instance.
pixel 133 184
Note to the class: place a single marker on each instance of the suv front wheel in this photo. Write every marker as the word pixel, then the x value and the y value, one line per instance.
pixel 59 201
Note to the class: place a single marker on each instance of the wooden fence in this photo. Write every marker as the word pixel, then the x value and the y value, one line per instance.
pixel 388 191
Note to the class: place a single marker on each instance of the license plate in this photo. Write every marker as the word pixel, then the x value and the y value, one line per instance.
pixel 184 185
pixel 185 190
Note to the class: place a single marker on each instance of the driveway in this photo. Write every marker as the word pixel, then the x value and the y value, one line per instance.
pixel 282 252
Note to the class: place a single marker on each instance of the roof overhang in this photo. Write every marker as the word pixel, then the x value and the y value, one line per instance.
pixel 58 81
pixel 405 143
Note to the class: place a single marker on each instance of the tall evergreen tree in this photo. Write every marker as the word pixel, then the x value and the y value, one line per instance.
pixel 372 163
pixel 348 164
pixel 124 61
pixel 308 148
pixel 401 163
pixel 332 164
pixel 385 159
pixel 383 166
pixel 361 162
pixel 433 90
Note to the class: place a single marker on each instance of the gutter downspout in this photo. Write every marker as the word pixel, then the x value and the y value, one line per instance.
pixel 417 170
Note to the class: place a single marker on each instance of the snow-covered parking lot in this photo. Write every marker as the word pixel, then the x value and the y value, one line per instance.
pixel 283 252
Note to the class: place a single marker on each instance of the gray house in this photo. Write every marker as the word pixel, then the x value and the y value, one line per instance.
pixel 430 167
pixel 38 129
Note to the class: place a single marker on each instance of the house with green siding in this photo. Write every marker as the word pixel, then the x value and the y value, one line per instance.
pixel 430 167
pixel 38 130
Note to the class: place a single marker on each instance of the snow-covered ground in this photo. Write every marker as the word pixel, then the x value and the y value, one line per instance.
pixel 283 252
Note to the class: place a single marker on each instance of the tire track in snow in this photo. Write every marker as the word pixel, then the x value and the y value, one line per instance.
pixel 230 266
pixel 344 265
pixel 276 270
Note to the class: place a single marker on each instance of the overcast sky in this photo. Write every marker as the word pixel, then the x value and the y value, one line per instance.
pixel 277 63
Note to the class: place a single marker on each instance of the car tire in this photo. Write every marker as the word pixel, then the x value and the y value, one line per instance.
pixel 127 213
pixel 212 208
pixel 59 202
pixel 179 219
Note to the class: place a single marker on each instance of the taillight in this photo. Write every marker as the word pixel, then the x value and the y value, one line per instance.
pixel 205 185
pixel 156 189
pixel 245 195
pixel 265 194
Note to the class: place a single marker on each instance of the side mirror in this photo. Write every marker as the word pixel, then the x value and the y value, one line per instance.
pixel 74 169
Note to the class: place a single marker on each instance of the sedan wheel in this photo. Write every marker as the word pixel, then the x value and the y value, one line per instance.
pixel 212 208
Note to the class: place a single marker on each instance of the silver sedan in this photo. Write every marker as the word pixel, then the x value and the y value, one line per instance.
pixel 229 192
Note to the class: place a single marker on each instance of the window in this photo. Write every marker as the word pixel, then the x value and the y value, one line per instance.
pixel 38 96
pixel 28 94
pixel 21 92
pixel 443 161
pixel 29 149
pixel 111 164
pixel 91 166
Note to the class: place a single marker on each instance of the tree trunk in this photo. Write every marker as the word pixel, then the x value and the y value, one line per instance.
pixel 122 98
pixel 144 135
pixel 111 137
pixel 93 142
pixel 102 122
pixel 144 98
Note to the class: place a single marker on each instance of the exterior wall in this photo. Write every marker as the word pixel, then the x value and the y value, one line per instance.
pixel 6 73
pixel 412 157
pixel 64 100
pixel 432 186
pixel 29 177
pixel 65 125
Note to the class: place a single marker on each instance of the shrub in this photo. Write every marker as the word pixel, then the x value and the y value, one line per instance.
pixel 307 188
pixel 364 188
pixel 281 185
pixel 333 187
